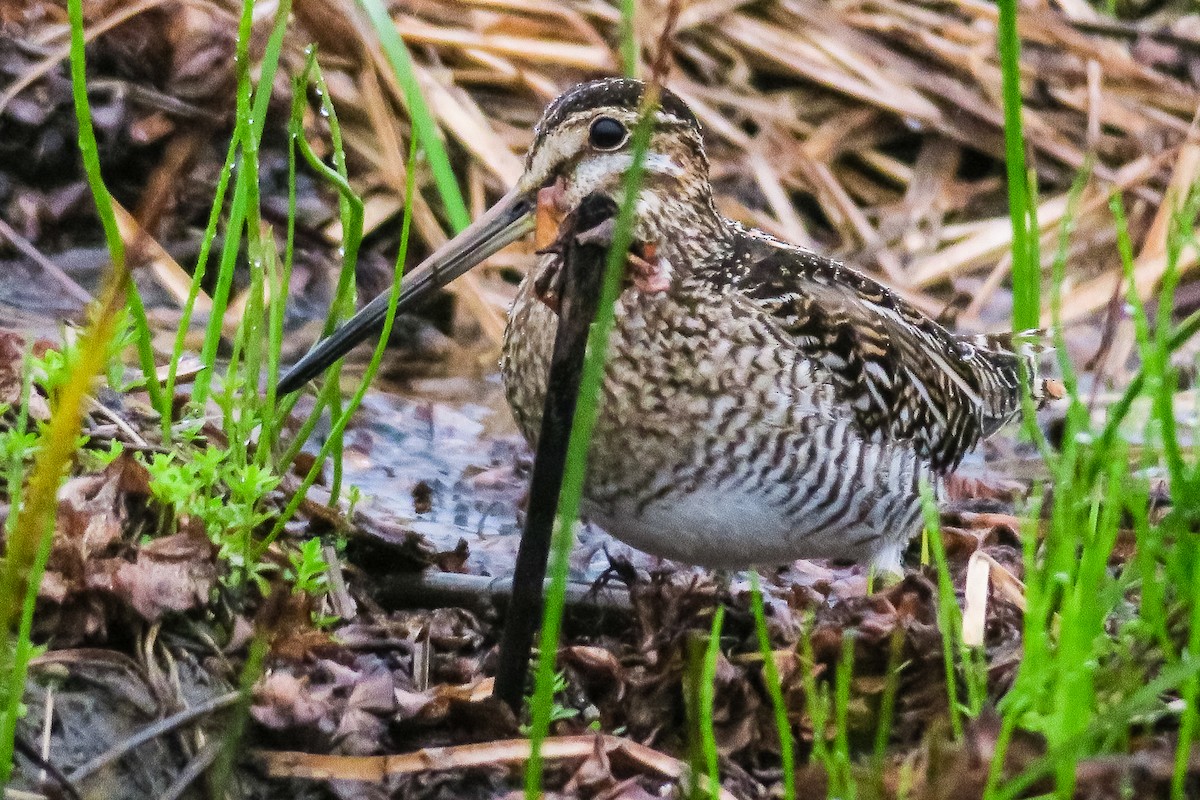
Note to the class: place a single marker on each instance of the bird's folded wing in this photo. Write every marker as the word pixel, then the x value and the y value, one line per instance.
pixel 905 377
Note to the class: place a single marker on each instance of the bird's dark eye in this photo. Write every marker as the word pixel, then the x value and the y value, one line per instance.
pixel 607 133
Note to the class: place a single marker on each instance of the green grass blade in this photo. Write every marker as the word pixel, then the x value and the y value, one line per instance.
pixel 630 50
pixel 339 424
pixel 145 350
pixel 422 119
pixel 87 142
pixel 787 758
pixel 351 209
pixel 277 281
pixel 254 121
pixel 815 700
pixel 1058 274
pixel 245 194
pixel 1140 702
pixel 275 414
pixel 1026 267
pixel 586 412
pixel 1165 378
pixel 189 305
pixel 841 780
pixel 1153 346
pixel 1189 721
pixel 244 214
pixel 1007 726
pixel 252 671
pixel 949 617
pixel 887 704
pixel 707 691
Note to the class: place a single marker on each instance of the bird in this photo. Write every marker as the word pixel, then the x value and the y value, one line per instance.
pixel 761 403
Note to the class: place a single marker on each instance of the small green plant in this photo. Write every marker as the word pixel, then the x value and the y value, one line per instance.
pixel 95 459
pixel 17 447
pixel 308 573
pixel 558 711
pixel 53 367
pixel 354 496
pixel 308 570
pixel 226 498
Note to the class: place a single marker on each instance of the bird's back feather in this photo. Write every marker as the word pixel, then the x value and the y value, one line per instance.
pixel 904 376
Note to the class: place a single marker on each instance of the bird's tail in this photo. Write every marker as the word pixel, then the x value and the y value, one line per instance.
pixel 1002 357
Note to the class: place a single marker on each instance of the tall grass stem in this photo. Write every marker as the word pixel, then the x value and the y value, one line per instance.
pixel 787 758
pixel 422 118
pixel 28 545
pixel 587 410
pixel 1026 263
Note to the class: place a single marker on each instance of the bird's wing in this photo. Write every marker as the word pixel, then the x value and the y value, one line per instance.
pixel 905 377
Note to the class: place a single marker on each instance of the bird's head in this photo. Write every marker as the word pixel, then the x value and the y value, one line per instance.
pixel 582 146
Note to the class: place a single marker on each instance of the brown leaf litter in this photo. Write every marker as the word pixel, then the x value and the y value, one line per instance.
pixel 13 347
pixel 868 130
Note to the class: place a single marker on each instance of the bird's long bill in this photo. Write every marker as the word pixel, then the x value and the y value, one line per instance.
pixel 508 220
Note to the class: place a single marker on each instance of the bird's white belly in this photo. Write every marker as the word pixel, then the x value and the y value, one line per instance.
pixel 725 529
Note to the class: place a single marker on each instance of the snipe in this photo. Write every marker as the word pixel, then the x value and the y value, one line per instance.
pixel 762 403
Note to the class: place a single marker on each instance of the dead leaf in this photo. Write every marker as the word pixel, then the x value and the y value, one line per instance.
pixel 283 701
pixel 175 573
pixel 93 512
pixel 594 774
pixel 13 347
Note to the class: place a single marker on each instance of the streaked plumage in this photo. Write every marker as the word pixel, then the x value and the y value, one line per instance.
pixel 761 403
pixel 771 404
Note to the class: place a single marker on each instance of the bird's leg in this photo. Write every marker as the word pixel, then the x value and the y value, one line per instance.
pixel 548 283
pixel 647 271
pixel 619 569
pixel 887 567
pixel 723 587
